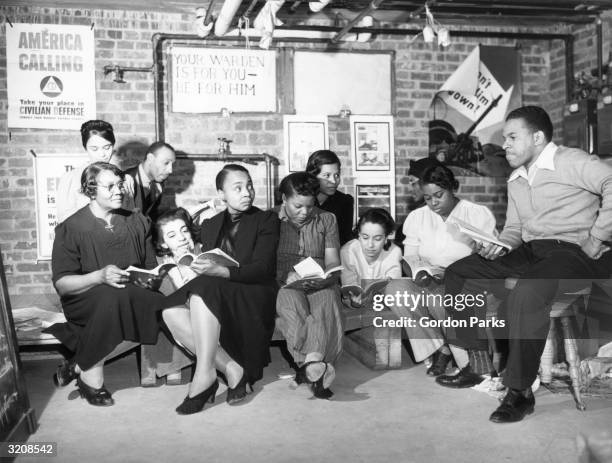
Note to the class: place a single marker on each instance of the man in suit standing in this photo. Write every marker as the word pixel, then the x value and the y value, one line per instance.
pixel 149 177
pixel 558 224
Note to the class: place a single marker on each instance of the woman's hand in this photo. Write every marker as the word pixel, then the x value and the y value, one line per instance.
pixel 112 275
pixel 291 277
pixel 208 267
pixel 355 300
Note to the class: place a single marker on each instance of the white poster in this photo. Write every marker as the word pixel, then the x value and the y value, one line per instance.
pixel 303 136
pixel 204 80
pixel 50 76
pixel 48 169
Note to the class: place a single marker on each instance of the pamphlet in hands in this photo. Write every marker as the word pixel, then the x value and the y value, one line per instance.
pixel 149 278
pixel 417 265
pixel 308 270
pixel 367 291
pixel 479 235
pixel 216 256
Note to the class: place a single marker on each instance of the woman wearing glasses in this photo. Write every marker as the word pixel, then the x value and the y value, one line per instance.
pixel 102 309
pixel 98 140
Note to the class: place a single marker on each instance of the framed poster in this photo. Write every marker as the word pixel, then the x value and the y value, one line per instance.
pixel 205 80
pixel 303 136
pixel 48 169
pixel 50 76
pixel 17 419
pixel 374 193
pixel 372 143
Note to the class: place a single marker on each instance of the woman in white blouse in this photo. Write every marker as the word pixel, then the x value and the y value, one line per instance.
pixel 433 242
pixel 371 256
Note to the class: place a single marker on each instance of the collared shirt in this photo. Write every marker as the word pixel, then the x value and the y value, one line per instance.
pixel 545 160
pixel 308 240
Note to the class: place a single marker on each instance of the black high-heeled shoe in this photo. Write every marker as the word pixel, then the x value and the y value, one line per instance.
pixel 196 403
pixel 239 392
pixel 301 376
pixel 97 397
pixel 65 373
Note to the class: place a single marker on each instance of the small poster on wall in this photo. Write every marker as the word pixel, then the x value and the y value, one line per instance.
pixel 50 76
pixel 374 193
pixel 372 143
pixel 48 169
pixel 207 80
pixel 303 136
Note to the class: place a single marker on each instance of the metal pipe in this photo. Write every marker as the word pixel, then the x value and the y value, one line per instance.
pixel 373 6
pixel 599 32
pixel 245 158
pixel 569 67
pixel 208 17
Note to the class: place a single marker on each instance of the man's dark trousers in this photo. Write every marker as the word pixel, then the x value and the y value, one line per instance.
pixel 540 265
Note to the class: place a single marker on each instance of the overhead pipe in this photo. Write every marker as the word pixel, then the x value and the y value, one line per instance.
pixel 373 6
pixel 226 15
pixel 158 40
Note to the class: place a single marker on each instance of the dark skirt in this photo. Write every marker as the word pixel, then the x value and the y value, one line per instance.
pixel 99 319
pixel 245 313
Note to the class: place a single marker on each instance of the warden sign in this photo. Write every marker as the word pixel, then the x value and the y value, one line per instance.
pixel 50 76
pixel 204 80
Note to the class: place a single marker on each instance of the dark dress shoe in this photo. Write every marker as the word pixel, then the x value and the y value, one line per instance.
pixel 514 407
pixel 438 367
pixel 465 378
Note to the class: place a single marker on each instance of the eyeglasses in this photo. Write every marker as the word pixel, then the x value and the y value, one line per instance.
pixel 103 148
pixel 110 187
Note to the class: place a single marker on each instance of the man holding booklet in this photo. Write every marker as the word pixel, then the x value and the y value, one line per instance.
pixel 558 222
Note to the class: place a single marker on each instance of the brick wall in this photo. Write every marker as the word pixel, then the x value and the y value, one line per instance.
pixel 124 38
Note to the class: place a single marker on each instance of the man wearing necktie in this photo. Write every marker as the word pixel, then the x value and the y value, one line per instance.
pixel 149 177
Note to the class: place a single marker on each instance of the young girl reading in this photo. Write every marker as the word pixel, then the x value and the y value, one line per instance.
pixel 370 257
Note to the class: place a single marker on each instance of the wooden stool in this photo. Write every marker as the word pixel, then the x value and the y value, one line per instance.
pixel 564 307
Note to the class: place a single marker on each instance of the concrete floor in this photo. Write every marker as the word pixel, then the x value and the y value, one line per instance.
pixel 375 416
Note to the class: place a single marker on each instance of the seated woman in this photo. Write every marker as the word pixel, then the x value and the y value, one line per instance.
pixel 371 256
pixel 325 165
pixel 234 305
pixel 433 242
pixel 98 139
pixel 102 309
pixel 309 319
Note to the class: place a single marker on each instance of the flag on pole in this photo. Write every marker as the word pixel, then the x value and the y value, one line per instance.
pixel 471 89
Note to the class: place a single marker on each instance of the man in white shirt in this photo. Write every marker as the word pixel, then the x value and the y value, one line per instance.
pixel 558 224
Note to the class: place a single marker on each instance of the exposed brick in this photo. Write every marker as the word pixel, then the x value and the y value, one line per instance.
pixel 249 125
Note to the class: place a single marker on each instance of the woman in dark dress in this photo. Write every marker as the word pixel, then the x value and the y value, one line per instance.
pixel 239 301
pixel 325 165
pixel 91 248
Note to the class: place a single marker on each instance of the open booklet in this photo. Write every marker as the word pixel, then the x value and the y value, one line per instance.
pixel 309 270
pixel 367 290
pixel 417 265
pixel 479 235
pixel 151 278
pixel 217 256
